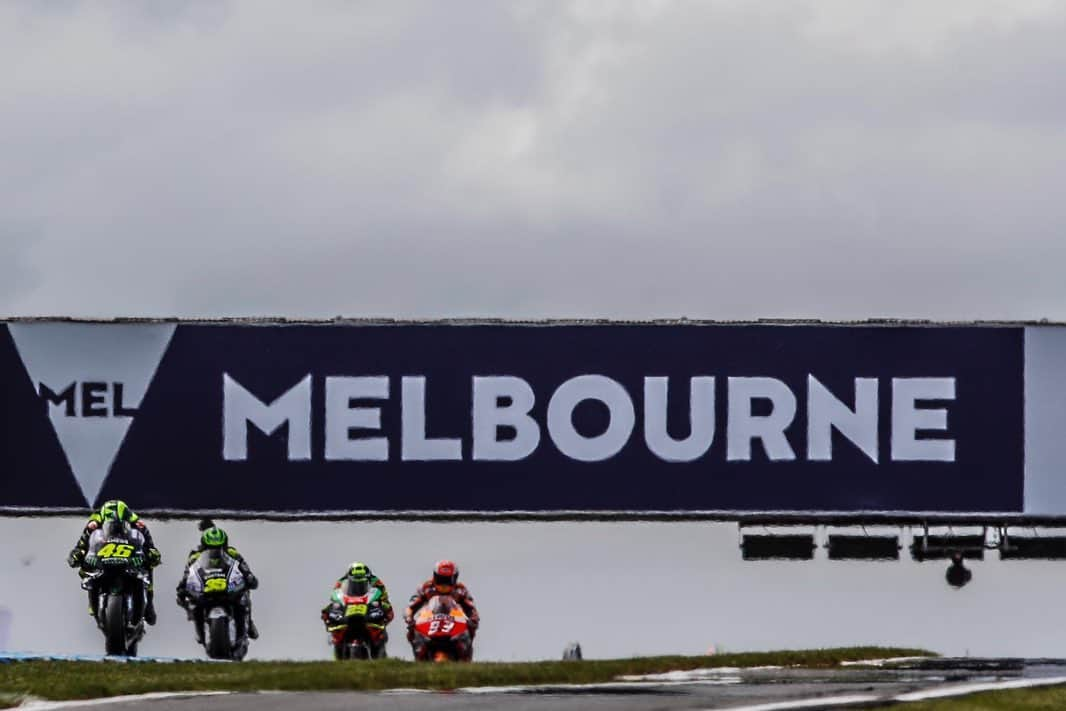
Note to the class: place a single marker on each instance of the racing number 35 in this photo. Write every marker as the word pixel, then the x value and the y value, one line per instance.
pixel 115 550
pixel 216 585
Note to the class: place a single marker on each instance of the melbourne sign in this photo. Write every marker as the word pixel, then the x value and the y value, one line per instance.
pixel 489 418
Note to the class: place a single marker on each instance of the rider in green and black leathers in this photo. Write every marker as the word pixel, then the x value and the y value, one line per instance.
pixel 361 571
pixel 379 615
pixel 116 510
pixel 213 537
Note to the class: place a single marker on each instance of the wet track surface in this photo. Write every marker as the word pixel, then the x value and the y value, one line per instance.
pixel 714 689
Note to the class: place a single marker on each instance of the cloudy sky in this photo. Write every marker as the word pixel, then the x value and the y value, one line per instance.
pixel 715 159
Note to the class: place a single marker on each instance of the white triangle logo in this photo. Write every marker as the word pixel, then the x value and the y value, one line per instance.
pixel 93 378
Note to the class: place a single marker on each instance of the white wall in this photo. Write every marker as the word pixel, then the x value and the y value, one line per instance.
pixel 618 588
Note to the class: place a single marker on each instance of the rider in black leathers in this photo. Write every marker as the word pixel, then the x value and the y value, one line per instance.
pixel 116 510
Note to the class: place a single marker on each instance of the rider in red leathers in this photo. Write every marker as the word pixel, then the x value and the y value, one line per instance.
pixel 445 581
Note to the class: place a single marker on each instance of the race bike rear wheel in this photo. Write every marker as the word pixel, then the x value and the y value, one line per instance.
pixel 115 624
pixel 219 645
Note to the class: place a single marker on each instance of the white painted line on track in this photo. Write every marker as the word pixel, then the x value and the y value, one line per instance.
pixel 711 672
pixel 820 703
pixel 606 686
pixel 696 674
pixel 36 705
pixel 938 693
pixel 963 689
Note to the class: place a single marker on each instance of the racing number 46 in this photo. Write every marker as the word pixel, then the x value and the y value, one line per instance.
pixel 112 550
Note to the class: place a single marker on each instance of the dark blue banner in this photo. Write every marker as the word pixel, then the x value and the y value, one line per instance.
pixel 494 418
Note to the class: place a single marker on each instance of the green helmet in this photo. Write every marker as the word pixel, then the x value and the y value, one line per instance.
pixel 116 510
pixel 214 537
pixel 358 571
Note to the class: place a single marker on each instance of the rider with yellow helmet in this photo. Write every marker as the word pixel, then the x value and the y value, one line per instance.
pixel 116 510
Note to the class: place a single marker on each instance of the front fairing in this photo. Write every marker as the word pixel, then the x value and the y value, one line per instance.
pixel 352 609
pixel 115 547
pixel 442 618
pixel 215 578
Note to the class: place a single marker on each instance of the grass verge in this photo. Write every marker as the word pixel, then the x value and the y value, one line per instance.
pixel 82 680
pixel 1049 698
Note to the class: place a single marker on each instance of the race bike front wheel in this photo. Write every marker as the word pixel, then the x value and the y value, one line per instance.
pixel 115 625
pixel 219 645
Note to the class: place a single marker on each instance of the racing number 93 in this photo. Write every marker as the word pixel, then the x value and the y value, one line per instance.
pixel 441 624
pixel 113 550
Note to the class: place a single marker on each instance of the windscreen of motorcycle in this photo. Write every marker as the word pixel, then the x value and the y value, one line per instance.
pixel 96 540
pixel 212 568
pixel 357 588
pixel 114 529
pixel 214 559
pixel 443 605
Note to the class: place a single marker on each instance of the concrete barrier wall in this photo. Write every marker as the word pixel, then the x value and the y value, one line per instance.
pixel 619 588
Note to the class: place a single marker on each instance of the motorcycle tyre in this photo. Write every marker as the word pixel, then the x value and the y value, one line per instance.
pixel 218 641
pixel 239 651
pixel 115 625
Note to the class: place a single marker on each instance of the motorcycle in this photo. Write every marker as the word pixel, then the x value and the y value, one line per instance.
pixel 442 632
pixel 356 622
pixel 218 603
pixel 114 571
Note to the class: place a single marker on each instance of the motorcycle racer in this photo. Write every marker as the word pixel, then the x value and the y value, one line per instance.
pixel 359 571
pixel 378 614
pixel 213 537
pixel 117 510
pixel 445 581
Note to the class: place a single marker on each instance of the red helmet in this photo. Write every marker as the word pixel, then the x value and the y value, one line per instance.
pixel 445 573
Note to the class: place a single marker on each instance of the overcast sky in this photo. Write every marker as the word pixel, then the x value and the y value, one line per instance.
pixel 731 159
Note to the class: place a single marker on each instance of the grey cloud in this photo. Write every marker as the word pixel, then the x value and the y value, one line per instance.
pixel 16 273
pixel 537 159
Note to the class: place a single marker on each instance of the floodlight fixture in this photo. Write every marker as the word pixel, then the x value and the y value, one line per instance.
pixel 840 546
pixel 970 546
pixel 1031 547
pixel 790 546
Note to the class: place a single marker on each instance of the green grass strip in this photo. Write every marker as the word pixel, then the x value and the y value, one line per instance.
pixel 1046 698
pixel 83 680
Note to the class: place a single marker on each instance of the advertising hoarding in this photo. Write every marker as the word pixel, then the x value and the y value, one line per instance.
pixel 486 418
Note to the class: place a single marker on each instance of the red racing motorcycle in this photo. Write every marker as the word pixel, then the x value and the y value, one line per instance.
pixel 442 632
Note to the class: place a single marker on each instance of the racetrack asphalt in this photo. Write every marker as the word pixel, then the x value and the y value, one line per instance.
pixel 731 689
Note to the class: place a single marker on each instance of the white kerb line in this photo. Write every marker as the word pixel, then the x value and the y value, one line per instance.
pixel 35 705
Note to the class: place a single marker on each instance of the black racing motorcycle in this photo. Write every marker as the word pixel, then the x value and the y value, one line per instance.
pixel 114 571
pixel 218 604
